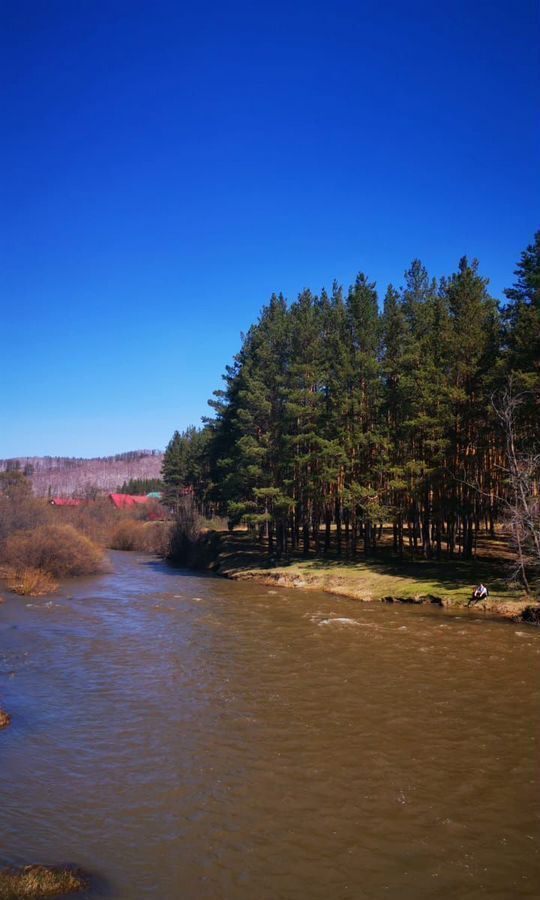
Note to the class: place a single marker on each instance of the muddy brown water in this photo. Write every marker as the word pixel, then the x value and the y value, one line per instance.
pixel 193 738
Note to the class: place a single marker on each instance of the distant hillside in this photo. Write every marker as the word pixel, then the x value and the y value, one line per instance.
pixel 63 476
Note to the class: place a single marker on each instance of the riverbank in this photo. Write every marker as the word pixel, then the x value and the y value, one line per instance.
pixel 446 583
pixel 381 578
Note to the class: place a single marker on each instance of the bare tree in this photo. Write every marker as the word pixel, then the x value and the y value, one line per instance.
pixel 522 475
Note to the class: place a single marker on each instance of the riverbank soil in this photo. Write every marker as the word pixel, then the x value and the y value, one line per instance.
pixel 384 577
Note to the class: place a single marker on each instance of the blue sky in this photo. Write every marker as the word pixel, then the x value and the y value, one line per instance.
pixel 166 166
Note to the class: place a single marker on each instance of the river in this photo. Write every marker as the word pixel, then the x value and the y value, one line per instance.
pixel 185 737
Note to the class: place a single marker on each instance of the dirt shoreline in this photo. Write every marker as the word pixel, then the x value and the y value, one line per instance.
pixel 525 611
pixel 226 562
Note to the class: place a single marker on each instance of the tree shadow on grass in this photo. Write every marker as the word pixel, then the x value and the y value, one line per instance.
pixel 449 574
pixel 238 551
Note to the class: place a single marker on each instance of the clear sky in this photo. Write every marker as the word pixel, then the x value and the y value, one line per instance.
pixel 165 166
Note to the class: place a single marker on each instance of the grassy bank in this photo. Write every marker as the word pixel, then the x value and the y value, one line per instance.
pixel 382 577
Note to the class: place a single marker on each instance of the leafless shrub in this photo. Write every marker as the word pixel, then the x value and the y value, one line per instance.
pixel 59 550
pixel 522 474
pixel 95 520
pixel 128 534
pixel 186 529
pixel 31 582
pixel 40 882
pixel 145 537
pixel 158 538
pixel 191 543
pixel 18 508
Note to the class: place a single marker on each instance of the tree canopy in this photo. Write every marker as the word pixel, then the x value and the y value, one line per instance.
pixel 337 415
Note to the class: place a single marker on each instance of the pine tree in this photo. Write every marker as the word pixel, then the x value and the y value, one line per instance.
pixel 174 469
pixel 522 316
pixel 334 419
pixel 365 443
pixel 474 351
pixel 396 407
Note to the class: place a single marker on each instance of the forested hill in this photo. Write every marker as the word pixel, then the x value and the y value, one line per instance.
pixel 338 417
pixel 63 476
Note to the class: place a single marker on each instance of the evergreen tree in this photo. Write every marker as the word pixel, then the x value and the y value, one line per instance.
pixel 474 351
pixel 522 316
pixel 364 441
pixel 334 419
pixel 174 469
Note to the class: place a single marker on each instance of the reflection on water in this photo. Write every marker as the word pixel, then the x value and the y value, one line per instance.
pixel 188 737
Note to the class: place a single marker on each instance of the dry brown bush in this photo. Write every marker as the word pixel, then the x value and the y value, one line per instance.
pixel 145 537
pixel 31 582
pixel 100 520
pixel 40 881
pixel 18 508
pixel 95 520
pixel 59 550
pixel 190 542
pixel 129 534
pixel 158 537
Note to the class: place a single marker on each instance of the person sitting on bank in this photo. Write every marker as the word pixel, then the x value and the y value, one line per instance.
pixel 480 593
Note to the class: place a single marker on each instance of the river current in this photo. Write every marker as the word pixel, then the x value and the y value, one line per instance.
pixel 185 737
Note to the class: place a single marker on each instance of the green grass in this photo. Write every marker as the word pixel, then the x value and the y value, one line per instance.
pixel 380 575
pixel 374 579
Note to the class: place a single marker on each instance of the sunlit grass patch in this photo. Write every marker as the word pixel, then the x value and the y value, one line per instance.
pixel 374 579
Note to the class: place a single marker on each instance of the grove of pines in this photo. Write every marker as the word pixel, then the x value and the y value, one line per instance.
pixel 343 418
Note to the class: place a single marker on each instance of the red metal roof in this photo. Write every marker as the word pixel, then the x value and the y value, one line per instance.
pixel 121 501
